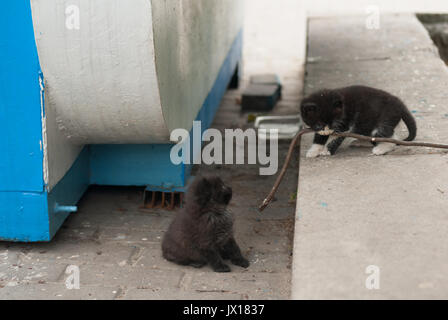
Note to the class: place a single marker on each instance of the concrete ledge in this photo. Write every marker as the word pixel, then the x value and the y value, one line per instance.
pixel 356 210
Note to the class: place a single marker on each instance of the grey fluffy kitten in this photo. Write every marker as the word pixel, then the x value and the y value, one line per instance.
pixel 202 232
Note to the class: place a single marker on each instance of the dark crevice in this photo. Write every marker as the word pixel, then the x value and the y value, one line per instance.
pixel 437 26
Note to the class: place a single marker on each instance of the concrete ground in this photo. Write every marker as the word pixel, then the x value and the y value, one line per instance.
pixel 116 245
pixel 356 210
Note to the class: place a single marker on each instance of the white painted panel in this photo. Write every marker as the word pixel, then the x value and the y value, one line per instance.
pixel 127 71
pixel 100 78
pixel 192 39
pixel 60 154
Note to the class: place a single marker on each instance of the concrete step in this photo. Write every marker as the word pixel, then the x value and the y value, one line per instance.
pixel 355 210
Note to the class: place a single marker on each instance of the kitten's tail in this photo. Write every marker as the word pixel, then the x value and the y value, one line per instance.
pixel 410 124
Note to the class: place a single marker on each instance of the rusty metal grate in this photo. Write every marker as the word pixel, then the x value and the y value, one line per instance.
pixel 162 200
pixel 166 196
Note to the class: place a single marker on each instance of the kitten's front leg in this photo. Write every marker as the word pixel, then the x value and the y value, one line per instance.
pixel 214 258
pixel 334 144
pixel 318 146
pixel 232 251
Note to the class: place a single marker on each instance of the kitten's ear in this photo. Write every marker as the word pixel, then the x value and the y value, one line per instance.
pixel 308 107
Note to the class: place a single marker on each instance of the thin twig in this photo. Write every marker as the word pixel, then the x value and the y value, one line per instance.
pixel 294 142
pixel 297 141
pixel 400 142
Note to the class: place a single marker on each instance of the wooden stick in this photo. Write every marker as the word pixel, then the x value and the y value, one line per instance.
pixel 297 141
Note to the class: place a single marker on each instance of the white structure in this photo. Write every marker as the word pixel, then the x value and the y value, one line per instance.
pixel 126 72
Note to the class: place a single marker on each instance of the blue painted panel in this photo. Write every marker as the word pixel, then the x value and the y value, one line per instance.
pixel 24 217
pixel 23 202
pixel 20 107
pixel 133 165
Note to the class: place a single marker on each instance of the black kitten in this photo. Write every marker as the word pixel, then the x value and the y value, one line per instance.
pixel 363 110
pixel 202 232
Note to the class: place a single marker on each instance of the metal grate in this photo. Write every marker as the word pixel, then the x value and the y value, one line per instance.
pixel 162 200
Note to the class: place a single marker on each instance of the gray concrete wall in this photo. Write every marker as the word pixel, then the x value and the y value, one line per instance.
pixel 322 8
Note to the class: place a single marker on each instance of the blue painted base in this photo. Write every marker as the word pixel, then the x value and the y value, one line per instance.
pixel 134 165
pixel 32 216
pixel 68 191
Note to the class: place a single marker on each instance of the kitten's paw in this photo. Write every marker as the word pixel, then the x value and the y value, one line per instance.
pixel 325 153
pixel 197 264
pixel 222 268
pixel 242 262
pixel 382 149
pixel 314 151
pixel 377 152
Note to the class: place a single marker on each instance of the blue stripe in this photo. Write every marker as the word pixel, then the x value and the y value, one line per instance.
pixel 20 108
pixel 23 202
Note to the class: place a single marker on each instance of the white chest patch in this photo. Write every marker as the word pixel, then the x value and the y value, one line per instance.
pixel 326 132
